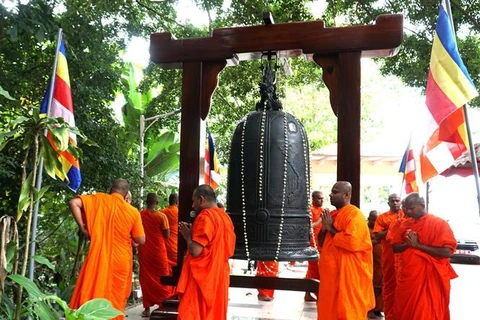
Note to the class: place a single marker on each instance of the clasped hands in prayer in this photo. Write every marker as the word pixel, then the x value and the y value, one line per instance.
pixel 411 239
pixel 185 229
pixel 327 221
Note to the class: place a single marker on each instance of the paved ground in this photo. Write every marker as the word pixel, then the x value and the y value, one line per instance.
pixel 244 305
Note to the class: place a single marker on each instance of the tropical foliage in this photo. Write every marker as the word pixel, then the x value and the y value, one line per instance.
pixel 42 306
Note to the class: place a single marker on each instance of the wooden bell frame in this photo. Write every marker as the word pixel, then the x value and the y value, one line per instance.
pixel 336 50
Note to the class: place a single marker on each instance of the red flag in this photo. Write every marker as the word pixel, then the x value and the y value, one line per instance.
pixel 449 88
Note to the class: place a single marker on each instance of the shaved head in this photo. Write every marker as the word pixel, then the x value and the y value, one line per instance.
pixel 173 199
pixel 415 198
pixel 341 194
pixel 203 197
pixel 205 191
pixel 394 202
pixel 314 193
pixel 393 195
pixel 120 186
pixel 152 199
pixel 414 206
pixel 317 198
pixel 344 186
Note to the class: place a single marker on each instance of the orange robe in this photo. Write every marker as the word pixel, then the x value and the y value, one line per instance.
pixel 107 270
pixel 383 222
pixel 172 214
pixel 346 268
pixel 377 272
pixel 153 260
pixel 312 270
pixel 423 281
pixel 267 269
pixel 203 284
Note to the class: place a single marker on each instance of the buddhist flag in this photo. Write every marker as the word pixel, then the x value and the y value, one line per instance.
pixel 408 168
pixel 449 88
pixel 62 107
pixel 212 166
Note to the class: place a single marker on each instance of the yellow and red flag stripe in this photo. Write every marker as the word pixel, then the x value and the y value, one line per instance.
pixel 449 88
pixel 62 107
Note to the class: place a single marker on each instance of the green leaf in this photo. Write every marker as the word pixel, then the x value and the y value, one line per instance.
pixel 50 159
pixel 10 253
pixel 71 314
pixel 29 285
pixel 59 301
pixel 8 134
pixel 146 98
pixel 24 199
pixel 27 141
pixel 133 94
pixel 39 195
pixel 162 144
pixel 44 311
pixel 8 307
pixel 19 120
pixel 90 143
pixel 5 94
pixel 3 144
pixel 4 137
pixel 74 151
pixel 60 137
pixel 163 162
pixel 98 309
pixel 44 261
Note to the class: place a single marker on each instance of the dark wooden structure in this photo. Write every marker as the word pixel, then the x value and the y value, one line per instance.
pixel 338 52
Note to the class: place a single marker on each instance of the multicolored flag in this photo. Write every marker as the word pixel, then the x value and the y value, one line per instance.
pixel 62 107
pixel 408 168
pixel 212 165
pixel 449 88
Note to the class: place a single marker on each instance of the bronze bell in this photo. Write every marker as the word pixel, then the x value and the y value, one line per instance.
pixel 268 182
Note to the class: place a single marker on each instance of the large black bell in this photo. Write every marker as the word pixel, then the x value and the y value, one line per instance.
pixel 268 183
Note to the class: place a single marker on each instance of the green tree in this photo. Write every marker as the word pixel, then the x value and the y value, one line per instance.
pixel 411 63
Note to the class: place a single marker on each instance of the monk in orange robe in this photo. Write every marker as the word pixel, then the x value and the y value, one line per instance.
pixel 205 278
pixel 152 256
pixel 377 267
pixel 316 210
pixel 382 225
pixel 346 263
pixel 425 243
pixel 110 223
pixel 172 215
pixel 266 269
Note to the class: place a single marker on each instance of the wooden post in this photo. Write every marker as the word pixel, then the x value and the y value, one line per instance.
pixel 348 153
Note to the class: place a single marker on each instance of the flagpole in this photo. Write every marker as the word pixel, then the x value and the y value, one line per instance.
pixel 473 155
pixel 402 186
pixel 40 165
